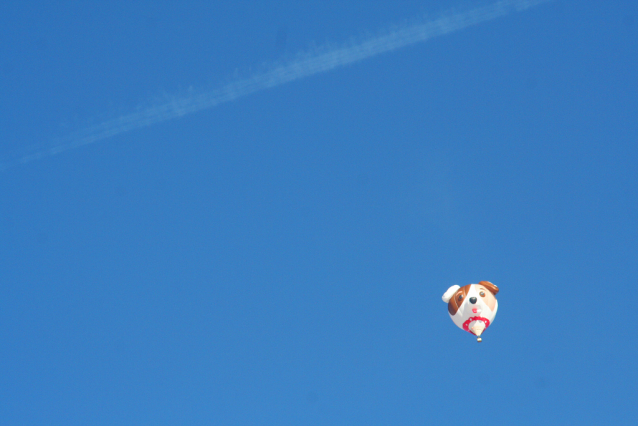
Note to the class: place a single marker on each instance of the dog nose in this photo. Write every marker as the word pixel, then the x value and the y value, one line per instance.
pixel 472 300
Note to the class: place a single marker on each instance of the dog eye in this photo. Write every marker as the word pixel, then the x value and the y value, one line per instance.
pixel 460 297
pixel 482 293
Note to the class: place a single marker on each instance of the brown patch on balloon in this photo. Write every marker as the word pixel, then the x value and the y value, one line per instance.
pixel 455 303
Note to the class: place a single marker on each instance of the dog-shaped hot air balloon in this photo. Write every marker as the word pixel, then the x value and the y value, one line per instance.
pixel 472 307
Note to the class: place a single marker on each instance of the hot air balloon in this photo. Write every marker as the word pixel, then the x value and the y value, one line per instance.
pixel 472 307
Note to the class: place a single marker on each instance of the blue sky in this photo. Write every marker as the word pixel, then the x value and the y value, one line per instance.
pixel 280 259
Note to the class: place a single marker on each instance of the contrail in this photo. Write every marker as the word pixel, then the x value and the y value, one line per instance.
pixel 318 61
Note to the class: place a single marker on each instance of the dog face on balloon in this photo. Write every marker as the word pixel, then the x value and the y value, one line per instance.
pixel 472 307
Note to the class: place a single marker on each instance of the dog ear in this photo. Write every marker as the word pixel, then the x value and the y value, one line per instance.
pixel 491 287
pixel 449 293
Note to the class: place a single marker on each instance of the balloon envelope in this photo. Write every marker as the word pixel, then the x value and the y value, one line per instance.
pixel 472 307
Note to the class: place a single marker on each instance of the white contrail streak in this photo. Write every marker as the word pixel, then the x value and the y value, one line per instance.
pixel 316 62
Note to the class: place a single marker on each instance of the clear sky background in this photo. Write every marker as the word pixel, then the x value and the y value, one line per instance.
pixel 280 259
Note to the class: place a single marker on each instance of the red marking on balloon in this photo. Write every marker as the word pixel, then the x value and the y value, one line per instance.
pixel 466 324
